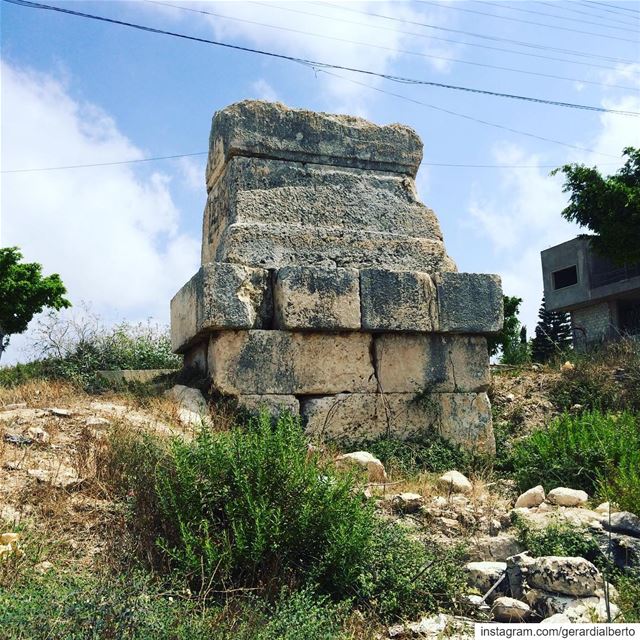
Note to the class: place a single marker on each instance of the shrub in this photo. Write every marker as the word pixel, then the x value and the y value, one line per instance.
pixel 622 485
pixel 579 451
pixel 403 577
pixel 607 378
pixel 628 586
pixel 247 507
pixel 427 452
pixel 559 539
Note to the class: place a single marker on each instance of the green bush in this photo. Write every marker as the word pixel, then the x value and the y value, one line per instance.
pixel 125 346
pixel 628 586
pixel 587 451
pixel 427 452
pixel 403 577
pixel 251 508
pixel 560 539
pixel 622 485
pixel 248 507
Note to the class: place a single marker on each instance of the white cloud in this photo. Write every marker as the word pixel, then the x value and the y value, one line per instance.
pixel 110 232
pixel 192 172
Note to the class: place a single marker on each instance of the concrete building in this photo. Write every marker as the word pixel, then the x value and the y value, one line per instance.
pixel 603 299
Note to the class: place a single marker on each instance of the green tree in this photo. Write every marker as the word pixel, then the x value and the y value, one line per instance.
pixel 511 341
pixel 24 292
pixel 553 334
pixel 607 206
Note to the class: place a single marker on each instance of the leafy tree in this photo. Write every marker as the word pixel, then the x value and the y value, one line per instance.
pixel 511 340
pixel 24 292
pixel 609 207
pixel 553 334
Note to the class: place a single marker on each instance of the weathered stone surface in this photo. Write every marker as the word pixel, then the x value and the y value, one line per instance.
pixel 469 302
pixel 465 418
pixel 495 548
pixel 220 296
pixel 407 502
pixel 272 404
pixel 286 363
pixel 364 460
pixel 351 417
pixel 623 522
pixel 142 376
pixel 483 575
pixel 272 130
pixel 431 362
pixel 454 481
pixel 564 497
pixel 195 356
pixel 577 610
pixel 571 576
pixel 259 190
pixel 510 610
pixel 193 409
pixel 274 246
pixel 317 298
pixel 531 498
pixel 398 301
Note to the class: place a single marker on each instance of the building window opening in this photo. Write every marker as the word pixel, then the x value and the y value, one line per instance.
pixel 565 277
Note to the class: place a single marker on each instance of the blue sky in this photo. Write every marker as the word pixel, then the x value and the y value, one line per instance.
pixel 125 238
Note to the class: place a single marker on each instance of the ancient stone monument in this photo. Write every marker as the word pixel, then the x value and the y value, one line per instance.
pixel 325 287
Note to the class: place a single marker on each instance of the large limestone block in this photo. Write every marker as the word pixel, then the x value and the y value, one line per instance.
pixel 469 302
pixel 267 191
pixel 286 363
pixel 220 296
pixel 274 246
pixel 317 298
pixel 353 417
pixel 465 418
pixel 398 301
pixel 272 130
pixel 572 576
pixel 431 362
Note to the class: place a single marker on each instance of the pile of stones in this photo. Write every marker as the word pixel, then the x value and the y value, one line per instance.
pixel 325 288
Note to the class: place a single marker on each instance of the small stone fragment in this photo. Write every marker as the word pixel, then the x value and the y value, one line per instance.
pixel 38 434
pixel 95 421
pixel 483 575
pixel 9 538
pixel 60 413
pixel 363 459
pixel 408 502
pixel 43 567
pixel 567 366
pixel 564 497
pixel 454 482
pixel 531 498
pixel 510 610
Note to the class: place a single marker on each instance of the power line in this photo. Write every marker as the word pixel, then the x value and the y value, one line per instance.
pixel 324 65
pixel 557 17
pixel 432 37
pixel 564 7
pixel 106 164
pixel 611 7
pixel 468 117
pixel 532 45
pixel 203 153
pixel 539 24
pixel 403 51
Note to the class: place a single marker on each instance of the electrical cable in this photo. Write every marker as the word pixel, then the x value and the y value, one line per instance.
pixel 324 65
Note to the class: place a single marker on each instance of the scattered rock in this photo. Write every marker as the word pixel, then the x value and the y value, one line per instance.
pixel 494 548
pixel 454 482
pixel 474 602
pixel 95 421
pixel 60 476
pixel 517 567
pixel 193 409
pixel 567 366
pixel 623 522
pixel 38 434
pixel 510 397
pixel 567 497
pixel 374 468
pixel 435 627
pixel 407 502
pixel 18 439
pixel 14 405
pixel 603 508
pixel 510 610
pixel 10 515
pixel 483 575
pixel 43 567
pixel 565 575
pixel 575 408
pixel 625 550
pixel 556 618
pixel 60 413
pixel 577 610
pixel 9 538
pixel 531 498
